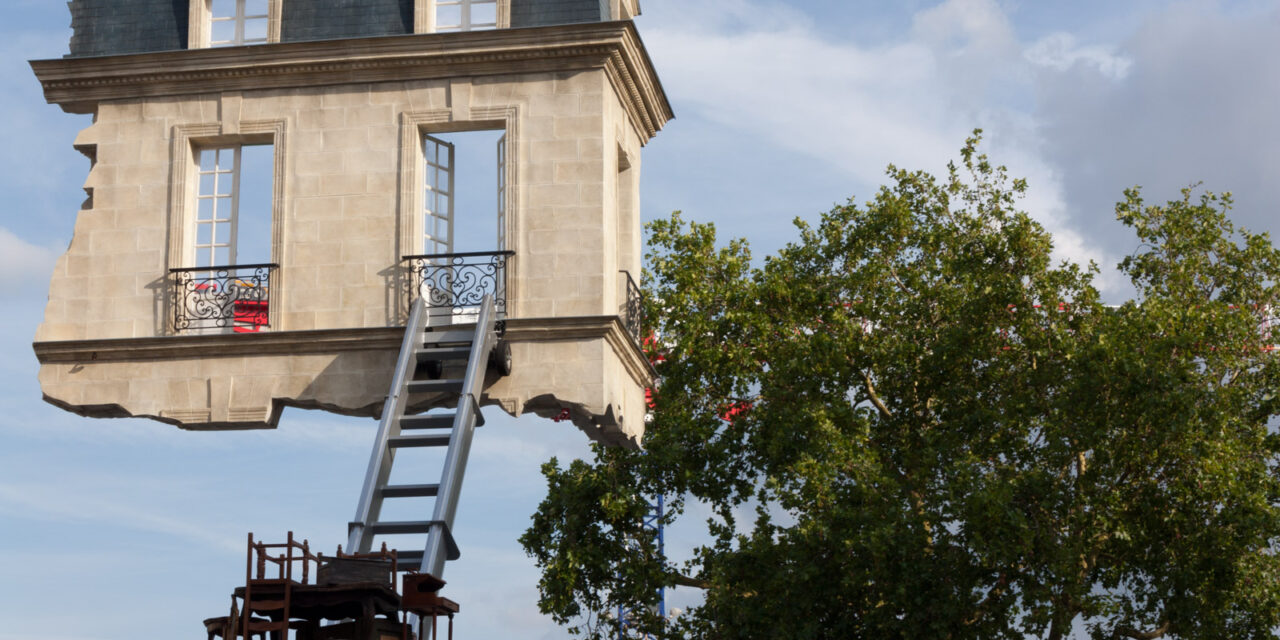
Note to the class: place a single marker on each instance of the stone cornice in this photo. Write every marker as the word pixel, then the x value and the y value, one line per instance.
pixel 329 341
pixel 78 84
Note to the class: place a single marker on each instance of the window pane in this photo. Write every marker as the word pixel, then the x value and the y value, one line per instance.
pixel 206 184
pixel 204 209
pixel 221 256
pixel 206 159
pixel 255 7
pixel 226 159
pixel 224 184
pixel 223 31
pixel 255 30
pixel 222 208
pixel 448 17
pixel 223 8
pixel 253 225
pixel 204 258
pixel 484 14
pixel 204 234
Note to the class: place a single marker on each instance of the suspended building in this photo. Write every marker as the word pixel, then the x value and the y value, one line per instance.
pixel 273 182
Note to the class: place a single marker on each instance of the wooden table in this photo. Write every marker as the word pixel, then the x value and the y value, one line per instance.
pixel 361 601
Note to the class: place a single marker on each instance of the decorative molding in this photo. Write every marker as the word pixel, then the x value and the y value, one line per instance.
pixel 198 24
pixel 78 84
pixel 610 328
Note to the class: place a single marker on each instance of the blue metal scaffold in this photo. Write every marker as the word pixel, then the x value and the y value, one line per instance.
pixel 652 521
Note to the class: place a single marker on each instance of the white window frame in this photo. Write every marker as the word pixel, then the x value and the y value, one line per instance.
pixel 224 207
pixel 200 24
pixel 502 192
pixel 426 15
pixel 438 195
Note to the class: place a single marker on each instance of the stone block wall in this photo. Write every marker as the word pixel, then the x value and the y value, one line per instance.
pixel 342 223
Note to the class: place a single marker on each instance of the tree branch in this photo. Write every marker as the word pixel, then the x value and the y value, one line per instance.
pixel 1129 632
pixel 1002 585
pixel 686 581
pixel 875 398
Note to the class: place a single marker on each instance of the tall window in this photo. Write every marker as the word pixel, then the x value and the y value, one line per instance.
pixel 226 285
pixel 233 206
pixel 237 22
pixel 460 170
pixel 465 15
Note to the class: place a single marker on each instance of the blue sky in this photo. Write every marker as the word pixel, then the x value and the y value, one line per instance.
pixel 113 529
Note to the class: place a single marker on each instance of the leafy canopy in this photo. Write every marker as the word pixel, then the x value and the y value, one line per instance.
pixel 939 433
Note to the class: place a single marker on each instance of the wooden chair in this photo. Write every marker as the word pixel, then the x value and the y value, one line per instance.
pixel 271 596
pixel 420 596
pixel 227 627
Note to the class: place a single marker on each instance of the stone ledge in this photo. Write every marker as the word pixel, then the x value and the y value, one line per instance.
pixel 269 343
pixel 244 381
pixel 78 84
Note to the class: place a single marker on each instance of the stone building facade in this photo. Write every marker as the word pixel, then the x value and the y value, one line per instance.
pixel 153 311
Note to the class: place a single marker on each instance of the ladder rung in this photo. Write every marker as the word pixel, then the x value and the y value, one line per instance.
pixel 444 353
pixel 421 440
pixel 410 490
pixel 441 337
pixel 432 386
pixel 434 421
pixel 409 559
pixel 402 526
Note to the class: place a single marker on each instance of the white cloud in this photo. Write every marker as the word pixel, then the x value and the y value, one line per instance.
pixel 910 102
pixel 1197 102
pixel 23 266
pixel 1060 51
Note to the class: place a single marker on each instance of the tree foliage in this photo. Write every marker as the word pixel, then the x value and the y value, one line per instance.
pixel 940 433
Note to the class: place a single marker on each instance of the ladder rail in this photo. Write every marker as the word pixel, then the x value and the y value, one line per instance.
pixel 393 409
pixel 446 506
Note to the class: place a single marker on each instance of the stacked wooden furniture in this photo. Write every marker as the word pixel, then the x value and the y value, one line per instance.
pixel 353 596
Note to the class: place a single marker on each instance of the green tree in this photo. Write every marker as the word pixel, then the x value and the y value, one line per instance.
pixel 940 433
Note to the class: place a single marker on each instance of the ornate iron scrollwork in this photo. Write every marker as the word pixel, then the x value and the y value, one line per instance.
pixel 453 284
pixel 633 319
pixel 235 297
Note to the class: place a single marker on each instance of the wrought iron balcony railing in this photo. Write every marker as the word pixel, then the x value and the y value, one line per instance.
pixel 234 297
pixel 453 284
pixel 633 312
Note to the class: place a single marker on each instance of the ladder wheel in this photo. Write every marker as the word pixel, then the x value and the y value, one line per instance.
pixel 500 357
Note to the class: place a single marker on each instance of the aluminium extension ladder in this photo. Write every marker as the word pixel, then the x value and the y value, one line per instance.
pixel 429 350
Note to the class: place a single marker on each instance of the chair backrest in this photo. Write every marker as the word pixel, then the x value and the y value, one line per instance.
pixel 344 568
pixel 384 554
pixel 282 557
